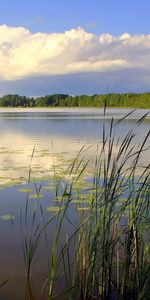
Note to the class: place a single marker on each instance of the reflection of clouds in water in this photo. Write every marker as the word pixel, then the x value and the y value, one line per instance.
pixel 15 156
pixel 16 152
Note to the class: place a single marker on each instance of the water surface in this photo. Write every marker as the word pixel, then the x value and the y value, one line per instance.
pixel 37 143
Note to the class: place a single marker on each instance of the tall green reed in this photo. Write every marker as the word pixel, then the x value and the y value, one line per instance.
pixel 107 253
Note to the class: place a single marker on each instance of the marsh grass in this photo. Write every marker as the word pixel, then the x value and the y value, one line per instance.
pixel 106 254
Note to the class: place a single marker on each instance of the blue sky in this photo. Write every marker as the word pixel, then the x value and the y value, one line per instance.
pixel 94 57
pixel 98 16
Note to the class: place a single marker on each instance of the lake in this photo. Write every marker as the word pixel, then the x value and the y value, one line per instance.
pixel 37 148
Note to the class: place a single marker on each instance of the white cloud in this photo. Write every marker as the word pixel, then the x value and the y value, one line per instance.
pixel 24 54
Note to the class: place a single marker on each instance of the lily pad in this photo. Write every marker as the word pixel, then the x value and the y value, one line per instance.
pixel 54 208
pixel 7 217
pixel 81 201
pixel 82 209
pixel 15 182
pixel 36 196
pixel 58 198
pixel 24 190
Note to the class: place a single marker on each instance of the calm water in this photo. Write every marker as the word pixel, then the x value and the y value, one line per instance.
pixel 54 137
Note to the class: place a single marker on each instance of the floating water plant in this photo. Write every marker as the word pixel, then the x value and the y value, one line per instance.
pixel 8 217
pixel 36 196
pixel 24 190
pixel 98 248
pixel 54 208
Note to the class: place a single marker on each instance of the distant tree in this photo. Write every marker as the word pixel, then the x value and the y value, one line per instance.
pixel 112 100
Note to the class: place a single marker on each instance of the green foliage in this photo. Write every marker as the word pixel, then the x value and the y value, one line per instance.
pixel 7 217
pixel 102 250
pixel 112 100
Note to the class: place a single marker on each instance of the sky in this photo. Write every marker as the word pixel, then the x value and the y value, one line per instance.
pixel 75 47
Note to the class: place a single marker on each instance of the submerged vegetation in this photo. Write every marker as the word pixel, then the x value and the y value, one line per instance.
pixel 104 251
pixel 113 100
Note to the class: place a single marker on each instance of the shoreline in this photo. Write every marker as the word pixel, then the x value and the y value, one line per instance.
pixel 87 112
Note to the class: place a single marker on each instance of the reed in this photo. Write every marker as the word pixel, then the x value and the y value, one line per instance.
pixel 107 253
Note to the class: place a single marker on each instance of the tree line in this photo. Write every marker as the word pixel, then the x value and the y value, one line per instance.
pixel 112 100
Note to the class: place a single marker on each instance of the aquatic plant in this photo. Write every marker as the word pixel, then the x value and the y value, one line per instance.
pixel 106 251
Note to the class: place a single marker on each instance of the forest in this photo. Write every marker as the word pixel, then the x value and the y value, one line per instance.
pixel 96 100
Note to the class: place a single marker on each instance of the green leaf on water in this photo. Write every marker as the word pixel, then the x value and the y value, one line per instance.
pixel 24 190
pixel 82 209
pixel 49 187
pixel 16 181
pixel 36 196
pixel 81 201
pixel 7 217
pixel 54 208
pixel 58 198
